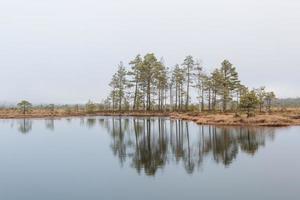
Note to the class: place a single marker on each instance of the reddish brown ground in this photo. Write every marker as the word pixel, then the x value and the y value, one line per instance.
pixel 278 118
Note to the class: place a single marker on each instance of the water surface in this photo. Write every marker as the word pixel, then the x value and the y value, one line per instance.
pixel 145 158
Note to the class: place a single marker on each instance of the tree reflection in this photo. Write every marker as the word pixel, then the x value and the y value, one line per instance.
pixel 151 148
pixel 150 144
pixel 24 126
pixel 119 144
pixel 90 122
pixel 49 123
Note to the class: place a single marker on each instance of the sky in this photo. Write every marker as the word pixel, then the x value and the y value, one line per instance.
pixel 65 51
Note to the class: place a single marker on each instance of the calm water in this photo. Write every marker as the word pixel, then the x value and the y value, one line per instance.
pixel 145 158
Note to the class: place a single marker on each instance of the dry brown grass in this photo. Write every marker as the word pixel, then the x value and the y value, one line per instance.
pixel 43 113
pixel 276 118
pixel 35 113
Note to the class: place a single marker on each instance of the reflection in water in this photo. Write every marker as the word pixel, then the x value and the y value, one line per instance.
pixel 69 120
pixel 24 125
pixel 150 144
pixel 198 161
pixel 49 123
pixel 90 122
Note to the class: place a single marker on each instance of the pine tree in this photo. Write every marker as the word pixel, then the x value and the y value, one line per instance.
pixel 162 84
pixel 216 86
pixel 261 94
pixel 24 106
pixel 135 73
pixel 249 102
pixel 118 84
pixel 149 72
pixel 178 78
pixel 188 65
pixel 200 78
pixel 270 96
pixel 229 82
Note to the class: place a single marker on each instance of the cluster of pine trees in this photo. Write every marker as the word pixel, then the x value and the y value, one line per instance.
pixel 149 85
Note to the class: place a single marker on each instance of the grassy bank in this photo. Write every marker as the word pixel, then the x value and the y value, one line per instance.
pixel 41 113
pixel 230 119
pixel 277 118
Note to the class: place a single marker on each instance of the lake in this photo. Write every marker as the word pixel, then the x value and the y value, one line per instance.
pixel 145 158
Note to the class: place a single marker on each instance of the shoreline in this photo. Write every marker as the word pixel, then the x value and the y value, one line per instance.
pixel 83 114
pixel 267 120
pixel 277 119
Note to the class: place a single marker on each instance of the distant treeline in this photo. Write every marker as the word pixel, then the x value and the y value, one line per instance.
pixel 288 102
pixel 278 103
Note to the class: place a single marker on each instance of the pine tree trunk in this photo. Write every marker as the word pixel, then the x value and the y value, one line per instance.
pixel 135 96
pixel 187 91
pixel 176 96
pixel 202 99
pixel 148 96
pixel 209 100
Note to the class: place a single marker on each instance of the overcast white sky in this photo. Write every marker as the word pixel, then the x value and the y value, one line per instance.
pixel 65 51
